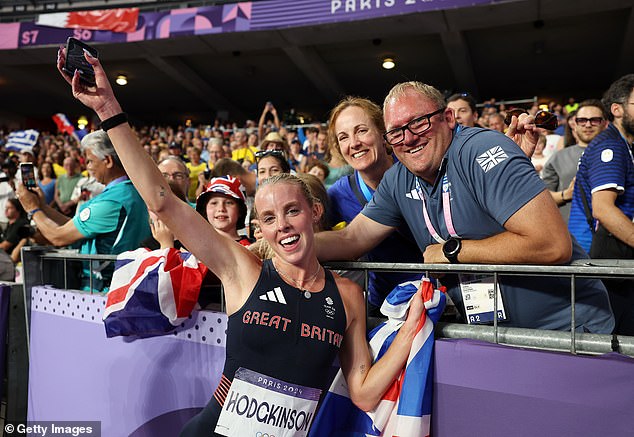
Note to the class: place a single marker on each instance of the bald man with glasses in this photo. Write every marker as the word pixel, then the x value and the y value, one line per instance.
pixel 175 171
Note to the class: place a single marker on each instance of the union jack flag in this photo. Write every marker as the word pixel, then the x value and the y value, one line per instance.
pixel 152 292
pixel 405 409
pixel 491 158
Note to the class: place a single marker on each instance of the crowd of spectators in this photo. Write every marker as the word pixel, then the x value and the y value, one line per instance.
pixel 191 156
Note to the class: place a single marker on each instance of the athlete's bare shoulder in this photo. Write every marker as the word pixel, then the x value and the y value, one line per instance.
pixel 352 297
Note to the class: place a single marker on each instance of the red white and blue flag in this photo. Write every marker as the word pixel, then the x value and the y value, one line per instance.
pixel 152 292
pixel 115 20
pixel 63 124
pixel 405 409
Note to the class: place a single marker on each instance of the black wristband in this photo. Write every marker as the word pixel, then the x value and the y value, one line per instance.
pixel 114 121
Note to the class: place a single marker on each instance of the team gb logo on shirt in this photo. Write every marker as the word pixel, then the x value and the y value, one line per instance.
pixel 329 308
pixel 491 158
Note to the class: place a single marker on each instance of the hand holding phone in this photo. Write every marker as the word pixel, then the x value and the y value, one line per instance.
pixel 75 60
pixel 27 171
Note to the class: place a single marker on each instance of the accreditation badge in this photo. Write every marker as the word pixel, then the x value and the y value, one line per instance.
pixel 478 297
pixel 259 405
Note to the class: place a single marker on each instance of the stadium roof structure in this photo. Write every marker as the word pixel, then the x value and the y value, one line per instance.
pixel 508 50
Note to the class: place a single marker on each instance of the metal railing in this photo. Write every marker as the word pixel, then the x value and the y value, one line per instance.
pixel 41 262
pixel 48 266
pixel 573 342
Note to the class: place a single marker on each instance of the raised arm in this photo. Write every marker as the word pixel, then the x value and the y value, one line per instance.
pixel 188 226
pixel 523 131
pixel 349 243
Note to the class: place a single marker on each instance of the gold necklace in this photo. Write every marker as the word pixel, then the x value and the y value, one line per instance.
pixel 298 284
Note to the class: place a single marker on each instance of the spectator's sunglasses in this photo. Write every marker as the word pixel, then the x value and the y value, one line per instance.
pixel 544 119
pixel 264 153
pixel 594 121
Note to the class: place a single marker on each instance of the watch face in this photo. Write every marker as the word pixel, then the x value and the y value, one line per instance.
pixel 451 246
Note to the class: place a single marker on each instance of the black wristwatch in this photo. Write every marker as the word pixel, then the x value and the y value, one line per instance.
pixel 451 249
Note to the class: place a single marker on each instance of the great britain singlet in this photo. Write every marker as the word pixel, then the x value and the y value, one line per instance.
pixel 281 332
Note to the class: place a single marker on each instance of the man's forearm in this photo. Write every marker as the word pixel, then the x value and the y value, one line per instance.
pixel 333 246
pixel 617 224
pixel 58 234
pixel 349 243
pixel 510 248
pixel 54 215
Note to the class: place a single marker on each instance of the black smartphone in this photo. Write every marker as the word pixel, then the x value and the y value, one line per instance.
pixel 28 175
pixel 75 60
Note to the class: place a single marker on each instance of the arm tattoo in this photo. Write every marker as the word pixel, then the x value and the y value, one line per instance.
pixel 162 191
pixel 362 368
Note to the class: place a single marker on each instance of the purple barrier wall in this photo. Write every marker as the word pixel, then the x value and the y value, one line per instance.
pixel 483 389
pixel 150 387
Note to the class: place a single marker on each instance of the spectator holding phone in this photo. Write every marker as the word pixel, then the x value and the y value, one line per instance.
pixel 112 222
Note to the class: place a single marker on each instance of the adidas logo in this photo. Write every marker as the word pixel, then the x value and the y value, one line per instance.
pixel 274 295
pixel 413 195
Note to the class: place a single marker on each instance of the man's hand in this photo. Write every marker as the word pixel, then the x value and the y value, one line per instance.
pixel 434 255
pixel 570 190
pixel 30 200
pixel 523 131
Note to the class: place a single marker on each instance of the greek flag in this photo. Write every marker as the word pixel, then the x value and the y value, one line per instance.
pixel 152 292
pixel 405 409
pixel 22 141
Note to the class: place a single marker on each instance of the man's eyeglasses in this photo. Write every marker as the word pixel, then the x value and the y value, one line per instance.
pixel 417 126
pixel 177 175
pixel 544 119
pixel 594 121
pixel 263 153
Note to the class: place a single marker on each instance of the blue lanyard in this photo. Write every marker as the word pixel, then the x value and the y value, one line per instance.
pixel 365 190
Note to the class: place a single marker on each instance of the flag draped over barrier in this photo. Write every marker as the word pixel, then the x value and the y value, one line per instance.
pixel 405 409
pixel 22 141
pixel 152 292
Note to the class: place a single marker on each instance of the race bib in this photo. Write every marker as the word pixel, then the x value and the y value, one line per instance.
pixel 259 405
pixel 478 297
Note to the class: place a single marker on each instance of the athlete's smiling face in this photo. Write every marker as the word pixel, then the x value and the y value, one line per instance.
pixel 286 220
